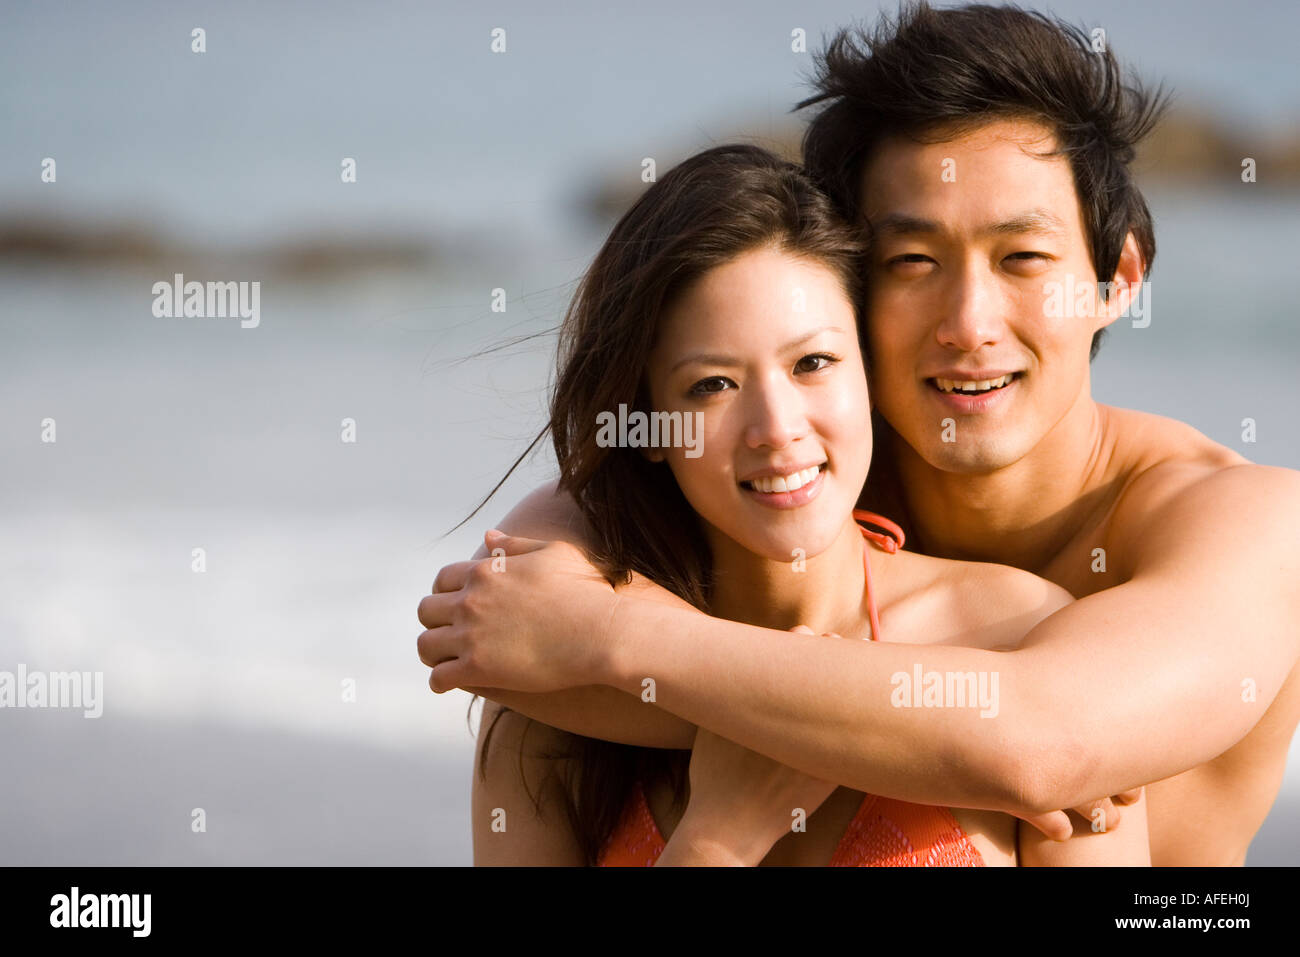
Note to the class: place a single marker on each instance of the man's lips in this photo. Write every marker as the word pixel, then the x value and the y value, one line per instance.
pixel 969 402
pixel 973 375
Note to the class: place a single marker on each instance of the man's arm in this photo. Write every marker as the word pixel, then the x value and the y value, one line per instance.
pixel 1100 697
pixel 1126 846
pixel 1097 700
pixel 595 711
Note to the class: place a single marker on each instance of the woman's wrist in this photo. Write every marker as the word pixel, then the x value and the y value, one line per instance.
pixel 694 846
pixel 717 844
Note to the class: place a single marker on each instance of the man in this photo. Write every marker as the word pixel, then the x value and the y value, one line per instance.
pixel 985 150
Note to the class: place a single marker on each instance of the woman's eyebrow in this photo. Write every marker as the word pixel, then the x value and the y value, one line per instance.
pixel 717 359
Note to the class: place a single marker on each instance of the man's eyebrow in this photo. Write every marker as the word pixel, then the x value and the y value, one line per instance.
pixel 900 224
pixel 1030 221
pixel 715 359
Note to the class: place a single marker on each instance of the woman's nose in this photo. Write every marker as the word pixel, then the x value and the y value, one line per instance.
pixel 775 417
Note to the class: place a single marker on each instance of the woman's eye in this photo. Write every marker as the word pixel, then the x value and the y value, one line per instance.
pixel 710 386
pixel 802 366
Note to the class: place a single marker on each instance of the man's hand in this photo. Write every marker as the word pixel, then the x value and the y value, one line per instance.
pixel 1058 826
pixel 530 618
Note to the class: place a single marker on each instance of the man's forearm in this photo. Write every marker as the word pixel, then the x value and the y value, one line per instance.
pixel 1099 698
pixel 1062 734
pixel 826 713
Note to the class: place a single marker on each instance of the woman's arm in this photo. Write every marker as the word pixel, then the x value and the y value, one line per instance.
pixel 1127 846
pixel 598 711
pixel 509 827
pixel 516 810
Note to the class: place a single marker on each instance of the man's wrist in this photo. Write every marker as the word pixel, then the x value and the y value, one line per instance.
pixel 607 662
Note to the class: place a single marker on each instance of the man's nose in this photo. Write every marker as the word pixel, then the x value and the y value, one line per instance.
pixel 974 313
pixel 775 415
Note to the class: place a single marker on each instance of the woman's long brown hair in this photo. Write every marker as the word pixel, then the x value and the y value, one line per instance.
pixel 704 213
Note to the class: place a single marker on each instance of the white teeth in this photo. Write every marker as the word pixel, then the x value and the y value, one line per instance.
pixel 973 385
pixel 785 483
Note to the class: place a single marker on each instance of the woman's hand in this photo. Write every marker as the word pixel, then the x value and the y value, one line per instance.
pixel 742 801
pixel 531 618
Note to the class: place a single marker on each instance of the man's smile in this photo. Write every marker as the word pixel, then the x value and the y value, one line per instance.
pixel 971 395
pixel 976 383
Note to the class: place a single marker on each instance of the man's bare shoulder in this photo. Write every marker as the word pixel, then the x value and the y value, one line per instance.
pixel 977 604
pixel 1141 441
pixel 1175 470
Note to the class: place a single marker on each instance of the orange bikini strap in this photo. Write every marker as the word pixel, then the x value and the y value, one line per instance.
pixel 891 542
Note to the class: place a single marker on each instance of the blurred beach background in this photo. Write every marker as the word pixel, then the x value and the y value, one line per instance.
pixel 475 171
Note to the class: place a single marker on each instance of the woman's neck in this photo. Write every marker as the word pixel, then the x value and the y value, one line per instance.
pixel 828 594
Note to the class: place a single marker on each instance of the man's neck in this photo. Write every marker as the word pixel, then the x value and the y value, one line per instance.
pixel 1023 514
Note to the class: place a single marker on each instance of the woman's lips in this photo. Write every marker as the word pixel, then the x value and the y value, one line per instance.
pixel 800 496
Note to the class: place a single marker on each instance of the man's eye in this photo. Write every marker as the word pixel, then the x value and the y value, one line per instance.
pixel 909 258
pixel 823 357
pixel 1028 257
pixel 710 386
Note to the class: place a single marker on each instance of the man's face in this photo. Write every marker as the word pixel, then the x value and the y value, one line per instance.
pixel 969 233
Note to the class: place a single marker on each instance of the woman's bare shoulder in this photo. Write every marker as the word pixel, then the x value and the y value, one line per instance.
pixel 973 604
pixel 547 513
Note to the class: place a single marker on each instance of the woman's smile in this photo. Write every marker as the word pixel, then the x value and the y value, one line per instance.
pixel 787 490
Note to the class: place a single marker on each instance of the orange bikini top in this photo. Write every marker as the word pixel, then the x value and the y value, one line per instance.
pixel 884 832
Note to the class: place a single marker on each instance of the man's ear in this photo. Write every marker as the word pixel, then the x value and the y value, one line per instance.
pixel 1125 285
pixel 653 453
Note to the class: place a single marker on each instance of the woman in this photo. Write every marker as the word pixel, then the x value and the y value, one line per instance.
pixel 728 298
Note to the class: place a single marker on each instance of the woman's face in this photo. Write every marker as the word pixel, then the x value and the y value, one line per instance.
pixel 765 350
